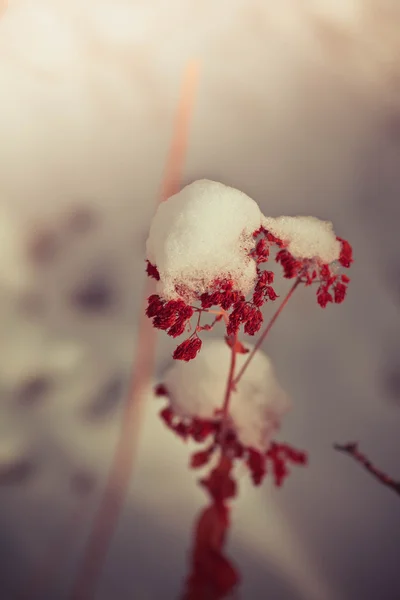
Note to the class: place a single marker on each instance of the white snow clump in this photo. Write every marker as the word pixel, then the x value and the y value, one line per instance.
pixel 307 237
pixel 202 233
pixel 197 389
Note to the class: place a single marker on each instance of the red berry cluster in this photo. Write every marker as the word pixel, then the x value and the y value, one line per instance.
pixel 277 456
pixel 152 271
pixel 174 316
pixel 310 271
pixel 212 574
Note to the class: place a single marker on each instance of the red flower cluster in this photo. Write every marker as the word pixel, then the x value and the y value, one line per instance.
pixel 310 271
pixel 152 271
pixel 346 253
pixel 261 251
pixel 333 283
pixel 173 316
pixel 188 349
pixel 223 295
pixel 212 574
pixel 278 456
pixel 263 290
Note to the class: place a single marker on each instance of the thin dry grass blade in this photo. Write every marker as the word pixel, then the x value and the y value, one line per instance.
pixel 112 501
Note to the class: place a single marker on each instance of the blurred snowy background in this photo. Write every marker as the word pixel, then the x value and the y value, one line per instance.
pixel 299 107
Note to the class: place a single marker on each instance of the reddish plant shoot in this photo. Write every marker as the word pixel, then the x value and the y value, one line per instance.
pixel 208 249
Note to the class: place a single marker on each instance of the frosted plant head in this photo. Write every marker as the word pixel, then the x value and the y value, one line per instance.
pixel 200 235
pixel 258 403
pixel 207 248
pixel 311 252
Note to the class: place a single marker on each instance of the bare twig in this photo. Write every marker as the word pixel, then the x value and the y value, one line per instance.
pixel 352 450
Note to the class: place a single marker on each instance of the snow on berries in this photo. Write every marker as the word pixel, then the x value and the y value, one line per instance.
pixel 257 405
pixel 208 249
pixel 311 251
pixel 305 237
pixel 200 235
pixel 256 408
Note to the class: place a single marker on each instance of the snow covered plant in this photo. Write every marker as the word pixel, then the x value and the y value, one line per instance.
pixel 207 249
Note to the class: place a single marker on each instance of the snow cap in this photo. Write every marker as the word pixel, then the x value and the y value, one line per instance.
pixel 307 237
pixel 203 233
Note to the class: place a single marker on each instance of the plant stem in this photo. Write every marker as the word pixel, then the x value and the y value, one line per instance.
pixel 229 384
pixel 228 392
pixel 266 331
pixel 221 313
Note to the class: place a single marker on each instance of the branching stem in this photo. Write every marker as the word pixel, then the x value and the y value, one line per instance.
pixel 221 312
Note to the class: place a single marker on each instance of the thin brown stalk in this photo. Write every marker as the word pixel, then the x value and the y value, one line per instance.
pixel 108 513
